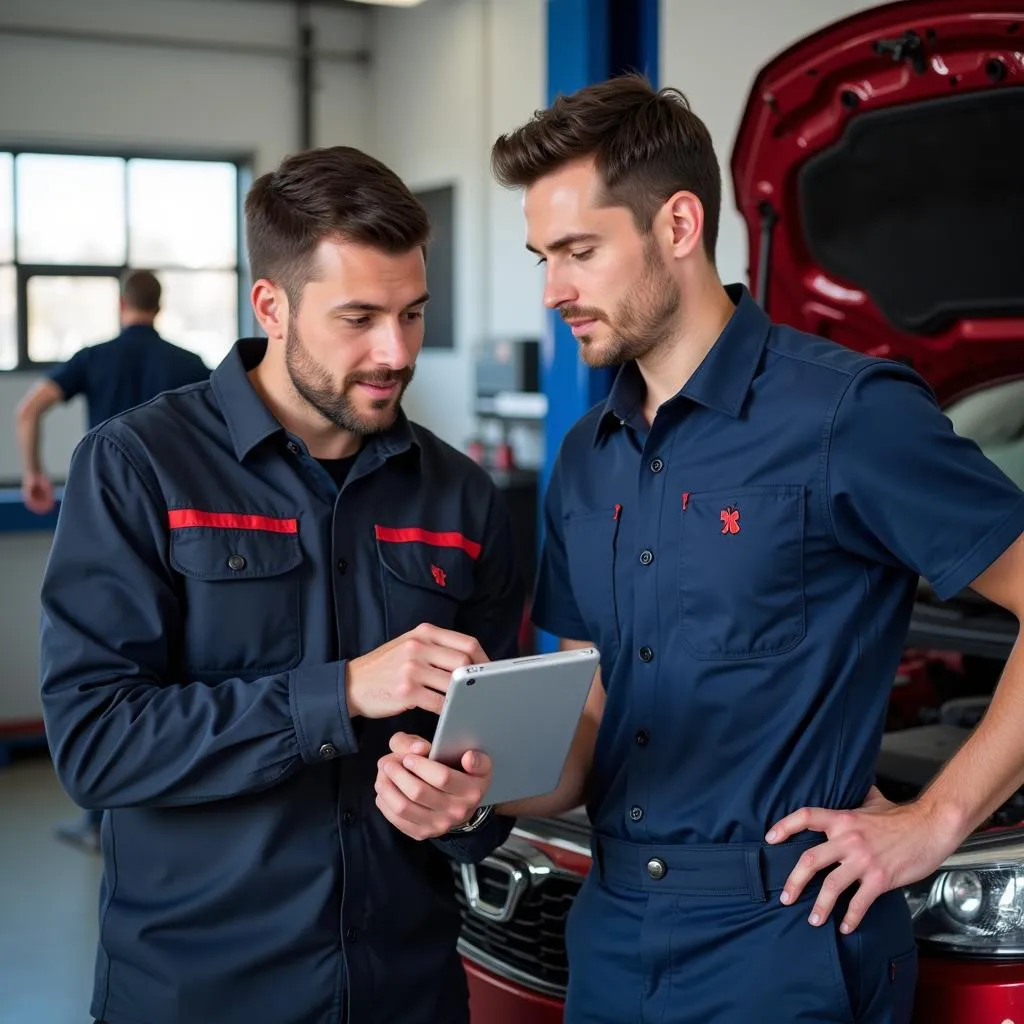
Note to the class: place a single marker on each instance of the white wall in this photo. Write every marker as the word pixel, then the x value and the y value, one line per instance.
pixel 88 93
pixel 448 78
pixel 712 52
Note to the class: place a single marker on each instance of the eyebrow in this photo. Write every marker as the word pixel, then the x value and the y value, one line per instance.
pixel 565 242
pixel 355 306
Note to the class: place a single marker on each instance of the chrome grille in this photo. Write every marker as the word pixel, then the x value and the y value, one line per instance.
pixel 518 927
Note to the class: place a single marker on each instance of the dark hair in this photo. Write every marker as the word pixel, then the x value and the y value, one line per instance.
pixel 337 192
pixel 140 290
pixel 646 144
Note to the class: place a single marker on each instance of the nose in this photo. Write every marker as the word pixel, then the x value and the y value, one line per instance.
pixel 392 345
pixel 557 288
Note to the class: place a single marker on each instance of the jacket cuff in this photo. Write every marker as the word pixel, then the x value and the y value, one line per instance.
pixel 472 847
pixel 320 712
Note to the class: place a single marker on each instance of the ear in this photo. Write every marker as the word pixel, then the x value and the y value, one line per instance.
pixel 270 304
pixel 686 220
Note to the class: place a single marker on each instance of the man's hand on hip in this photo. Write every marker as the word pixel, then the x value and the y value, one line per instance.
pixel 423 798
pixel 877 847
pixel 411 671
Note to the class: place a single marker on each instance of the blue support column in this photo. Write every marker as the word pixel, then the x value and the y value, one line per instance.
pixel 588 41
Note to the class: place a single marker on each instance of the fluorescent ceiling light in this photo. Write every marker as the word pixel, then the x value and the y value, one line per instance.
pixel 390 3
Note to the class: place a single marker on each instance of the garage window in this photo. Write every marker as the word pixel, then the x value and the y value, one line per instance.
pixel 72 224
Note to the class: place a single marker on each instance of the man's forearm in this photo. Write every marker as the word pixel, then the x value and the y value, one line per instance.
pixel 989 768
pixel 569 795
pixel 27 429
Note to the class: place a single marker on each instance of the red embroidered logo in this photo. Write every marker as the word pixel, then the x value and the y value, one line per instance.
pixel 730 520
pixel 439 575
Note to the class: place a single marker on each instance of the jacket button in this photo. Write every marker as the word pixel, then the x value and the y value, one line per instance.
pixel 646 654
pixel 293 448
pixel 351 934
pixel 643 737
pixel 657 465
pixel 349 818
pixel 636 813
pixel 236 563
pixel 656 868
pixel 342 566
pixel 328 750
pixel 646 557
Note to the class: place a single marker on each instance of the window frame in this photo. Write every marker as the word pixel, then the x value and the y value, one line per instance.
pixel 243 164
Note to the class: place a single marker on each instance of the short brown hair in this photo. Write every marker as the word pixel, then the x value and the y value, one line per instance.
pixel 140 290
pixel 646 145
pixel 337 192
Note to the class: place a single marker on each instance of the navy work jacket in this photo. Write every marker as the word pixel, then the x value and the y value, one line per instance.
pixel 207 583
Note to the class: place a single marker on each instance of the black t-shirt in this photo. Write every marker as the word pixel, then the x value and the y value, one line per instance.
pixel 338 468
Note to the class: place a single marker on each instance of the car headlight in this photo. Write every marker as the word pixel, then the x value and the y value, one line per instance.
pixel 974 904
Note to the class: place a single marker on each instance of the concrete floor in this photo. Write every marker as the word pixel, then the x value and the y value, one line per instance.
pixel 48 902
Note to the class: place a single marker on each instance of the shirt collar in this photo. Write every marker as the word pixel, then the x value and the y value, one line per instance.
pixel 250 422
pixel 135 332
pixel 721 382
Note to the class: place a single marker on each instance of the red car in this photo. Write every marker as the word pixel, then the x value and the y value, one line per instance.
pixel 879 170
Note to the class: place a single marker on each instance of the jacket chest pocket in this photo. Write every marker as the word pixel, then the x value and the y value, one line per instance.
pixel 741 572
pixel 243 599
pixel 425 576
pixel 591 539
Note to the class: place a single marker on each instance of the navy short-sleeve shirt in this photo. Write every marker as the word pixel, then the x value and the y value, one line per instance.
pixel 747 565
pixel 131 369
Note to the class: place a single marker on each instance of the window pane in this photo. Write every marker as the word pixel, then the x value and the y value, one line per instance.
pixel 68 313
pixel 6 207
pixel 8 320
pixel 200 311
pixel 182 213
pixel 70 209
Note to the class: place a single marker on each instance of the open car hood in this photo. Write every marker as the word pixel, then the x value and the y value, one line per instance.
pixel 879 167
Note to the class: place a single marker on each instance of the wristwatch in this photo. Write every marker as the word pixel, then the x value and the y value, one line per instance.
pixel 480 817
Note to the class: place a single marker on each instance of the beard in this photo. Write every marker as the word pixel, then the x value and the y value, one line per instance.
pixel 317 387
pixel 642 322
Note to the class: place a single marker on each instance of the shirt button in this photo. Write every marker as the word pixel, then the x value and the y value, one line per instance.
pixel 636 813
pixel 646 557
pixel 342 566
pixel 643 737
pixel 656 868
pixel 236 563
pixel 351 934
pixel 328 750
pixel 349 818
pixel 646 654
pixel 657 465
pixel 293 448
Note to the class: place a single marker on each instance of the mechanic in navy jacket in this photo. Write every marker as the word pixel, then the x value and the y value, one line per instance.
pixel 254 583
pixel 741 528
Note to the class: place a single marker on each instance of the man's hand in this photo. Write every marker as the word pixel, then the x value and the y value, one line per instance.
pixel 425 799
pixel 37 493
pixel 411 671
pixel 880 846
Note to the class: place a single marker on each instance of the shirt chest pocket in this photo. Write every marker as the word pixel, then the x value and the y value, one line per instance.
pixel 425 576
pixel 243 598
pixel 591 541
pixel 741 572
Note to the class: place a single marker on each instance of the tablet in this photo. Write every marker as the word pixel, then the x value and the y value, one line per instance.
pixel 522 712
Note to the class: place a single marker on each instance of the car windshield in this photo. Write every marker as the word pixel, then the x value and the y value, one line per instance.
pixel 994 418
